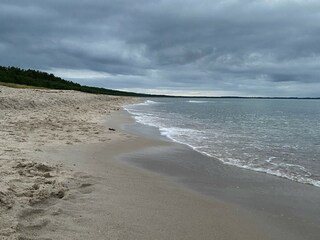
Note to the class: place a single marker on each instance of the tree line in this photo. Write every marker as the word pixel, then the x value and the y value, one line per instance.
pixel 42 79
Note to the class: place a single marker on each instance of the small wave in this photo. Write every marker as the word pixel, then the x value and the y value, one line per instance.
pixel 150 102
pixel 279 172
pixel 194 101
pixel 180 132
pixel 282 170
pixel 270 166
pixel 145 103
pixel 277 169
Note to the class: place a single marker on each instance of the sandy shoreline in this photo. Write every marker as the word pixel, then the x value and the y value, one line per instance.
pixel 60 177
pixel 63 176
pixel 30 121
pixel 120 201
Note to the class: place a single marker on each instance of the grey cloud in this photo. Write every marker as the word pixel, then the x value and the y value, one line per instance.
pixel 282 77
pixel 246 46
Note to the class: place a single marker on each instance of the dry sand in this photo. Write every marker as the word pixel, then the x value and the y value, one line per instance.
pixel 29 121
pixel 52 190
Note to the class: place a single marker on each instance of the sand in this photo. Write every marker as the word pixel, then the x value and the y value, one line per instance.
pixel 121 201
pixel 62 177
pixel 30 121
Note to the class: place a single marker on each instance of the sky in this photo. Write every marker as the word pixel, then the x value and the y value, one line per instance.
pixel 180 47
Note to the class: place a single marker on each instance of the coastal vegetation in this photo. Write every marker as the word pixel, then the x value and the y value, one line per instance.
pixel 15 85
pixel 21 78
pixel 16 77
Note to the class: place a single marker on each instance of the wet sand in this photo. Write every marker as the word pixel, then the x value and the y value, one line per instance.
pixel 285 209
pixel 121 201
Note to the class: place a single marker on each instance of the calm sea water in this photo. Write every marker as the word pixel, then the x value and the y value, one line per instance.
pixel 278 137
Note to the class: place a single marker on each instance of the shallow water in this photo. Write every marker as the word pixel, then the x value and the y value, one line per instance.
pixel 278 137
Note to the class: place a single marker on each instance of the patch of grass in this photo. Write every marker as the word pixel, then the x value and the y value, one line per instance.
pixel 15 85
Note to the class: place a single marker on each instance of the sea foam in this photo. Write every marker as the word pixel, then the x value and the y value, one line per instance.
pixel 221 143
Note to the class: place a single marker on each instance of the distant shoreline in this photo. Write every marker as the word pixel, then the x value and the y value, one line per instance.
pixel 34 78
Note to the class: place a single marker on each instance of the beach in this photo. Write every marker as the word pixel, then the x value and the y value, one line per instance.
pixel 32 119
pixel 73 168
pixel 280 208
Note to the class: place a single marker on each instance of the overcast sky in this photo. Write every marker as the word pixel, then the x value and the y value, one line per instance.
pixel 189 47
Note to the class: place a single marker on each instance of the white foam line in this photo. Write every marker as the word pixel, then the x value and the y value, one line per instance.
pixel 165 132
pixel 268 171
pixel 194 101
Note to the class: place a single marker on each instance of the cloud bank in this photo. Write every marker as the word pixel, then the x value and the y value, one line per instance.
pixel 221 47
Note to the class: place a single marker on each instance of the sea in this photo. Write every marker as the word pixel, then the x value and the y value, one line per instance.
pixel 275 136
